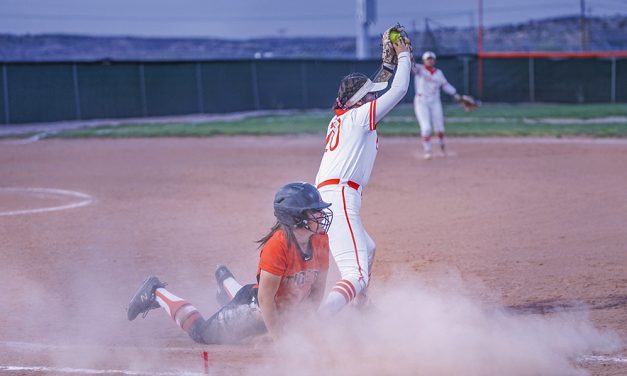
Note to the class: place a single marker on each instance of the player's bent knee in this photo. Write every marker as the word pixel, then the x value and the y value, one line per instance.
pixel 197 332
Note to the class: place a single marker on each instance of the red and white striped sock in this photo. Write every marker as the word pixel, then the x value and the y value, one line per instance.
pixel 183 313
pixel 231 286
pixel 346 289
pixel 441 138
pixel 341 294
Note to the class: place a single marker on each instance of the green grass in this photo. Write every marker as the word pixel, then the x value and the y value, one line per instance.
pixel 533 111
pixel 304 123
pixel 513 129
pixel 489 120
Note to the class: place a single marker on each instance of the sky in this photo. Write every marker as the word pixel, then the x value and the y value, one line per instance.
pixel 244 19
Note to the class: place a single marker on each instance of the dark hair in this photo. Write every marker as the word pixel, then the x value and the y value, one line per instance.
pixel 287 230
pixel 348 87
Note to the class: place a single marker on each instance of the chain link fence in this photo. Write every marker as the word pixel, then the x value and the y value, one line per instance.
pixel 45 92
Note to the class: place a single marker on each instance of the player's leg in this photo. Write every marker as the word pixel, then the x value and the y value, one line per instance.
pixel 349 247
pixel 437 117
pixel 421 108
pixel 362 299
pixel 237 320
pixel 152 295
pixel 227 285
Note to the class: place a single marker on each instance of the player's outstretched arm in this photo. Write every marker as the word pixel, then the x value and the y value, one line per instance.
pixel 399 87
pixel 449 89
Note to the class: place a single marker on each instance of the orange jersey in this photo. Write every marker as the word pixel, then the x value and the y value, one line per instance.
pixel 298 275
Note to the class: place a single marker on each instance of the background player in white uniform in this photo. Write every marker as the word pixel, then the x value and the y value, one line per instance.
pixel 428 80
pixel 349 155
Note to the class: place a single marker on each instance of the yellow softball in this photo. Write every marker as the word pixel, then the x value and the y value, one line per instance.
pixel 394 35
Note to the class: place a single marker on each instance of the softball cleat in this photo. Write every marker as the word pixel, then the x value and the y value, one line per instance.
pixel 222 274
pixel 144 299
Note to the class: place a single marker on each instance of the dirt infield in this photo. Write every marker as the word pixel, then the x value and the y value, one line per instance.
pixel 539 223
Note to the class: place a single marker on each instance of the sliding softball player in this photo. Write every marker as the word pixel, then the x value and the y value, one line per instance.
pixel 349 156
pixel 291 276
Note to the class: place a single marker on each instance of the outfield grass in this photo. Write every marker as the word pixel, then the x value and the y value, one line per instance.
pixel 532 111
pixel 512 129
pixel 489 120
pixel 263 125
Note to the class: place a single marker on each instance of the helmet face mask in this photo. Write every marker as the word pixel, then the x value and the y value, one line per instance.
pixel 294 204
pixel 322 219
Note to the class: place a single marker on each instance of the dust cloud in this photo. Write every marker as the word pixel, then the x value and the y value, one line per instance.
pixel 413 327
pixel 445 329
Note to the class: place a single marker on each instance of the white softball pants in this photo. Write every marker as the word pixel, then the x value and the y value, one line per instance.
pixel 351 246
pixel 429 115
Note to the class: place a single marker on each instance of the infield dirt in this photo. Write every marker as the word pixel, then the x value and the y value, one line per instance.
pixel 538 225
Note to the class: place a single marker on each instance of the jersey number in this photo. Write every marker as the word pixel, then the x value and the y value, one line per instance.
pixel 333 137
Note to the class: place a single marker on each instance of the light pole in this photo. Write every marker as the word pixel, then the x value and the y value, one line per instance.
pixel 366 15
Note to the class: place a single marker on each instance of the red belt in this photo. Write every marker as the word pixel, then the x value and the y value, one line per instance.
pixel 351 184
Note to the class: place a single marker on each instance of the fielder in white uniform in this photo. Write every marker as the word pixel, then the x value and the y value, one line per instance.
pixel 428 80
pixel 349 155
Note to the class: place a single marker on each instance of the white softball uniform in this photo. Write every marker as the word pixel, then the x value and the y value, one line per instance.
pixel 427 104
pixel 349 155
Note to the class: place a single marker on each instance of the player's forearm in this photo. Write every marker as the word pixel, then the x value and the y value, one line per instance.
pixel 399 87
pixel 268 287
pixel 270 314
pixel 449 89
pixel 384 73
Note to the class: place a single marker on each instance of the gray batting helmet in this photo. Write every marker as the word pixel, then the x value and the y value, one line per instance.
pixel 292 202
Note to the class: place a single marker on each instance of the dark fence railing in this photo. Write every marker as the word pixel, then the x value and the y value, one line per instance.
pixel 43 92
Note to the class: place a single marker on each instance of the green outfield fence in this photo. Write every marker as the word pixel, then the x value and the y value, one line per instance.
pixel 55 91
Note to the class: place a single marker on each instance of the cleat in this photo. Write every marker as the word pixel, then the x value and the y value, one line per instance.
pixel 144 299
pixel 362 301
pixel 222 273
pixel 363 304
pixel 428 156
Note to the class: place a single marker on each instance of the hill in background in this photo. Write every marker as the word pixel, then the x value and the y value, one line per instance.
pixel 555 34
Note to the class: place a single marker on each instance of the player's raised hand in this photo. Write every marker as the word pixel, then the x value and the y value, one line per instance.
pixel 400 46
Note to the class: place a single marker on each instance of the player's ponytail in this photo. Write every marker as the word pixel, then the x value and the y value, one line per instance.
pixel 278 226
pixel 338 104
